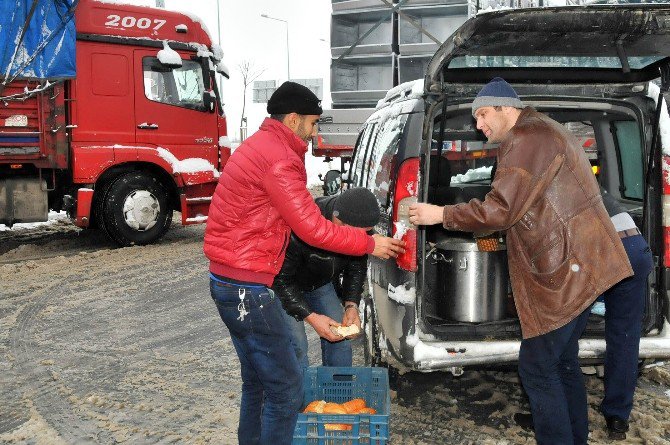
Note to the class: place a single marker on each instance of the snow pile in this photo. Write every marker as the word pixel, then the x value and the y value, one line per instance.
pixel 423 351
pixel 654 92
pixel 413 89
pixel 472 175
pixel 168 56
pixel 402 294
pixel 218 51
pixel 223 69
pixel 53 218
pixel 401 229
pixel 224 141
pixel 190 165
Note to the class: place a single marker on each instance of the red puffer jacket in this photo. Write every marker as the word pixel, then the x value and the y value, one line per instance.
pixel 260 198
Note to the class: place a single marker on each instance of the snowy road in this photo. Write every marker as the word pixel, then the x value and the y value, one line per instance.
pixel 105 345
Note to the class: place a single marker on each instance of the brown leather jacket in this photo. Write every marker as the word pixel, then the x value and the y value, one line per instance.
pixel 562 248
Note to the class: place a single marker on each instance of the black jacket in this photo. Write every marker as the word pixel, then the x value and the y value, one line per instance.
pixel 307 268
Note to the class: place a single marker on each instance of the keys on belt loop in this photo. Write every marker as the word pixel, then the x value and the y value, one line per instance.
pixel 241 292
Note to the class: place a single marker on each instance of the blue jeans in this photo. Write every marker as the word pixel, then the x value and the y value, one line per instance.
pixel 324 301
pixel 624 310
pixel 272 389
pixel 550 374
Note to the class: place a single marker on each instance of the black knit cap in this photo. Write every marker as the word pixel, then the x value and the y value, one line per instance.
pixel 357 207
pixel 292 97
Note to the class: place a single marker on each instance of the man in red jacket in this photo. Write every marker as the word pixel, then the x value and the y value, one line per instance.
pixel 261 197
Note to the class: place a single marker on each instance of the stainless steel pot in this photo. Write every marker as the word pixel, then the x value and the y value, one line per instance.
pixel 472 285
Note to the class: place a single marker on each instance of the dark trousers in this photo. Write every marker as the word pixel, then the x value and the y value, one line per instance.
pixel 272 389
pixel 550 374
pixel 624 310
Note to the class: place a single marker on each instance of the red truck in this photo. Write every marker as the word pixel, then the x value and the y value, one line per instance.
pixel 137 133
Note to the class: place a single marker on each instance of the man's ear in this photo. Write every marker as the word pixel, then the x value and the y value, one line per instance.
pixel 292 121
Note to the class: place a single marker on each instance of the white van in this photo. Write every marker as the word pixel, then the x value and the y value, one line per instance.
pixel 597 69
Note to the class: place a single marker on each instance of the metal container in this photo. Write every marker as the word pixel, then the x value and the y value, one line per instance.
pixel 472 285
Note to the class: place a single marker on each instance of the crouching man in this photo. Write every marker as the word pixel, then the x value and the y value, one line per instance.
pixel 324 288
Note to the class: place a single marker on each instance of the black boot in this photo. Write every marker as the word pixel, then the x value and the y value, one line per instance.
pixel 616 428
pixel 524 420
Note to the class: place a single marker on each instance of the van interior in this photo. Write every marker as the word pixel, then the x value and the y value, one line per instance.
pixel 465 279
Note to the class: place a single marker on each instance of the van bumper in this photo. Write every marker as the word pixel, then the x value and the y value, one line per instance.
pixel 437 356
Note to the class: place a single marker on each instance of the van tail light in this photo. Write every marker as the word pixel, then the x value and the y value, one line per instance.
pixel 406 191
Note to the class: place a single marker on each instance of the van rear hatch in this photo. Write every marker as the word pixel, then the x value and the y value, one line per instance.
pixel 579 44
pixel 580 50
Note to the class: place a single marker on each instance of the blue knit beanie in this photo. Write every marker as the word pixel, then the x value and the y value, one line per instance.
pixel 496 93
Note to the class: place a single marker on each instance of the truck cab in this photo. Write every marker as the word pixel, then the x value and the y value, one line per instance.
pixel 137 133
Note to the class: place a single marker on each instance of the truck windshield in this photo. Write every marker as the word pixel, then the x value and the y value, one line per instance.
pixel 183 86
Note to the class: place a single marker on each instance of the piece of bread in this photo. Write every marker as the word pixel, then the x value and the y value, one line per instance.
pixel 353 406
pixel 337 427
pixel 334 408
pixel 315 407
pixel 366 411
pixel 346 331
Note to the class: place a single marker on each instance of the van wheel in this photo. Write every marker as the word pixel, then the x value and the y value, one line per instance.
pixel 136 209
pixel 371 351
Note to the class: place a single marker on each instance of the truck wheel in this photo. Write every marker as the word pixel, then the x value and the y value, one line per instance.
pixel 99 207
pixel 136 209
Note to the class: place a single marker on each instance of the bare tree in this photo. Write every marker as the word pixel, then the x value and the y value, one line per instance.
pixel 249 72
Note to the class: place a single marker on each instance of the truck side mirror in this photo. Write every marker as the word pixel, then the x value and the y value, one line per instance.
pixel 209 100
pixel 168 57
pixel 332 182
pixel 222 69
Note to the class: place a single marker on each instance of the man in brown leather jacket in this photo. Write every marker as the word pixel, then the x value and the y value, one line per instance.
pixel 558 235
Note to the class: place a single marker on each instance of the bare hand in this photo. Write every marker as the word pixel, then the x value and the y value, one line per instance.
pixel 350 317
pixel 322 324
pixel 425 214
pixel 386 247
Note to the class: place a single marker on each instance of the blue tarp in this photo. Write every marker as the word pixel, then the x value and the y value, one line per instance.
pixel 45 47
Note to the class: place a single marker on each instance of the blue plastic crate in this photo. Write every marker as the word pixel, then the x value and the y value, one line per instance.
pixel 340 385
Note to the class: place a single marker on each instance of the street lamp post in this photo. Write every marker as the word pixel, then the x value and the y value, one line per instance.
pixel 288 57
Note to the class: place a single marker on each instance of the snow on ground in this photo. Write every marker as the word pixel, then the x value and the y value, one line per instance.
pixel 140 320
pixel 54 218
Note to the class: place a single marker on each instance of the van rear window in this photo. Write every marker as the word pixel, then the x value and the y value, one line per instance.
pixel 468 62
pixel 630 155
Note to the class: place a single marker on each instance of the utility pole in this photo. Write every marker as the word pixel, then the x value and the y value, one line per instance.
pixel 288 52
